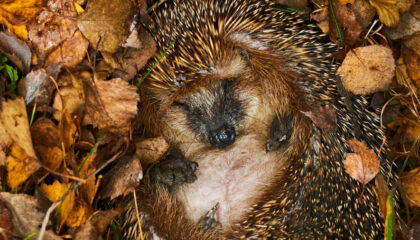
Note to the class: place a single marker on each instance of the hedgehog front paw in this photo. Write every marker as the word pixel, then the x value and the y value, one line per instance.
pixel 281 130
pixel 173 169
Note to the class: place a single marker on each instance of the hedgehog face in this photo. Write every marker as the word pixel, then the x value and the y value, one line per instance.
pixel 214 113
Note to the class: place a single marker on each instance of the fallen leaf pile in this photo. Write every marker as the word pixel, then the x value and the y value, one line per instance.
pixel 70 140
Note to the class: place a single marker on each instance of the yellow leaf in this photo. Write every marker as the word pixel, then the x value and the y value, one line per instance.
pixel 67 129
pixel 19 166
pixel 344 2
pixel 54 192
pixel 16 14
pixel 80 213
pixel 78 8
pixel 387 11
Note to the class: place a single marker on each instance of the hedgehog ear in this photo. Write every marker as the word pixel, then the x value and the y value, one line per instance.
pixel 244 54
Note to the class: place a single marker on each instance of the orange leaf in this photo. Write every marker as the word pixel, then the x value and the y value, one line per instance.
pixel 410 184
pixel 363 165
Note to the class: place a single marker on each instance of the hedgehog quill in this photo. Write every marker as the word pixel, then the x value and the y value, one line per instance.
pixel 244 160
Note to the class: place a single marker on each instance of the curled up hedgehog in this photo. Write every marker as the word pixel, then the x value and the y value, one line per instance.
pixel 245 162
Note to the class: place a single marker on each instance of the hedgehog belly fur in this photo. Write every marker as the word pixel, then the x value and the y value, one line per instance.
pixel 230 177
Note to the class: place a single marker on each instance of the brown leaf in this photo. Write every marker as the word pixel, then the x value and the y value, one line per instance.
pixel 27 216
pixel 412 42
pixel 412 61
pixel 410 183
pixel 47 143
pixel 382 192
pixel 367 69
pixel 127 62
pixel 363 164
pixel 56 37
pixel 408 26
pixel 122 179
pixel 109 19
pixel 96 225
pixel 16 51
pixel 321 18
pixel 54 192
pixel 5 217
pixel 149 150
pixel 350 28
pixel 111 105
pixel 323 117
pixel 17 13
pixel 37 86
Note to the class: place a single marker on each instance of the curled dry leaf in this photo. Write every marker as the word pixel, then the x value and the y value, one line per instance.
pixel 54 192
pixel 56 37
pixel 111 105
pixel 405 28
pixel 109 19
pixel 127 62
pixel 79 214
pixel 149 150
pixel 122 179
pixel 15 136
pixel 410 183
pixel 47 142
pixel 16 51
pixel 321 18
pixel 367 69
pixel 363 164
pixel 323 117
pixel 27 216
pixel 37 86
pixel 16 14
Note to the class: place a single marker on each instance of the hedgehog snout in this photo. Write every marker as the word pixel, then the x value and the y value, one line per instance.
pixel 223 136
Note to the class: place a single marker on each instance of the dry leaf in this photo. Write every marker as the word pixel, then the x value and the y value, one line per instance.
pixel 96 225
pixel 37 86
pixel 363 164
pixel 344 2
pixel 15 136
pixel 19 166
pixel 382 192
pixel 410 183
pixel 68 130
pixel 80 213
pixel 54 192
pixel 5 217
pixel 323 117
pixel 16 51
pixel 149 150
pixel 389 10
pixel 109 19
pixel 412 61
pixel 321 18
pixel 350 28
pixel 27 216
pixel 111 105
pixel 56 37
pixel 47 142
pixel 17 13
pixel 367 69
pixel 122 179
pixel 74 103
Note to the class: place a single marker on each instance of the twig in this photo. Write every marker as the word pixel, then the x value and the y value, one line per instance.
pixel 54 205
pixel 64 175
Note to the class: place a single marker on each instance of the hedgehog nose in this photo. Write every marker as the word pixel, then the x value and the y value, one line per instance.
pixel 222 137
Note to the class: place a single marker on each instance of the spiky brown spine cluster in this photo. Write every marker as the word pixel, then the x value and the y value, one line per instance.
pixel 317 199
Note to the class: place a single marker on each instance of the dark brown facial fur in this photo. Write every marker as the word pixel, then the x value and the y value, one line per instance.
pixel 214 113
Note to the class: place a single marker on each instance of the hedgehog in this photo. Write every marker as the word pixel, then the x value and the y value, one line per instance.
pixel 231 97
